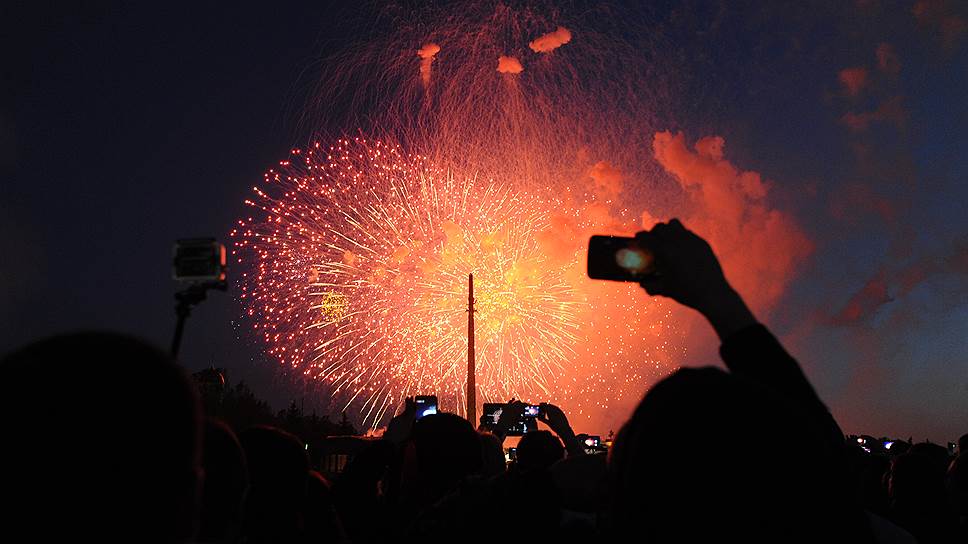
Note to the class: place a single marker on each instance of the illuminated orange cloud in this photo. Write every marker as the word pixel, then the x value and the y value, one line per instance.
pixel 426 54
pixel 607 180
pixel 890 111
pixel 888 284
pixel 761 247
pixel 551 41
pixel 509 65
pixel 853 79
pixel 865 302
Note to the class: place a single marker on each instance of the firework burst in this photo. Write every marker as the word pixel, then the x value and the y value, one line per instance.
pixel 360 281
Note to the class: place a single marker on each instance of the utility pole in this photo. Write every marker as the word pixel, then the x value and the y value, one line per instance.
pixel 471 370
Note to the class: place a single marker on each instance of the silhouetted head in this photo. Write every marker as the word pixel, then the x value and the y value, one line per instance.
pixel 278 473
pixel 709 454
pixel 226 482
pixel 101 441
pixel 870 472
pixel 916 482
pixel 957 484
pixel 322 522
pixel 492 455
pixel 539 449
pixel 582 482
pixel 937 453
pixel 447 450
pixel 900 447
pixel 963 444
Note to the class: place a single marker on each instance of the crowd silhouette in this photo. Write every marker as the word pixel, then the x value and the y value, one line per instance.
pixel 116 446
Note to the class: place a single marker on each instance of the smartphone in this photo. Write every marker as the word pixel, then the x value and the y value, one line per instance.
pixel 198 260
pixel 492 414
pixel 426 405
pixel 619 258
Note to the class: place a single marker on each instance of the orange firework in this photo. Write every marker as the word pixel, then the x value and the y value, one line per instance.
pixel 361 267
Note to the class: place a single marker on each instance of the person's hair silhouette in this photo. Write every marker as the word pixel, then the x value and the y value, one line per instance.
pixel 278 479
pixel 101 442
pixel 749 454
pixel 226 483
pixel 539 450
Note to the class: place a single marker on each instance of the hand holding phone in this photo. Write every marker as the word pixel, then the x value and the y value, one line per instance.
pixel 510 418
pixel 555 418
pixel 683 267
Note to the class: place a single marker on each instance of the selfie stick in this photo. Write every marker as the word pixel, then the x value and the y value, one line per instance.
pixel 188 298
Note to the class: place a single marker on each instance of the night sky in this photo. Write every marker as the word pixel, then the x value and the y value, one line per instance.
pixel 128 125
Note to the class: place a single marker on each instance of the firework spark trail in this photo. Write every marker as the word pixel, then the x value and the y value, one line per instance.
pixel 581 86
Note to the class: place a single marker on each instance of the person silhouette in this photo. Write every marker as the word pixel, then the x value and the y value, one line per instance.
pixel 101 442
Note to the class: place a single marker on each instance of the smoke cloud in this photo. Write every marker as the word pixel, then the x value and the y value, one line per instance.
pixel 887 285
pixel 887 60
pixel 865 302
pixel 761 247
pixel 607 181
pixel 853 79
pixel 944 19
pixel 890 111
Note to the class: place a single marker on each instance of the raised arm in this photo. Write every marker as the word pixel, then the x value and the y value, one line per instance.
pixel 689 273
pixel 555 418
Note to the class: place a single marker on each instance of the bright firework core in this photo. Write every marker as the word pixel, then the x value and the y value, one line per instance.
pixel 361 279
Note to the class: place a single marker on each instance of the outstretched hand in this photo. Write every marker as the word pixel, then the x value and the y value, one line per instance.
pixel 688 272
pixel 554 418
pixel 557 421
pixel 510 414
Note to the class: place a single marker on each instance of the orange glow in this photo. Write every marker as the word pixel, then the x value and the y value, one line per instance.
pixel 426 54
pixel 551 41
pixel 509 65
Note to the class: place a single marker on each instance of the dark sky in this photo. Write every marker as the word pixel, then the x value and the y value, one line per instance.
pixel 127 125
